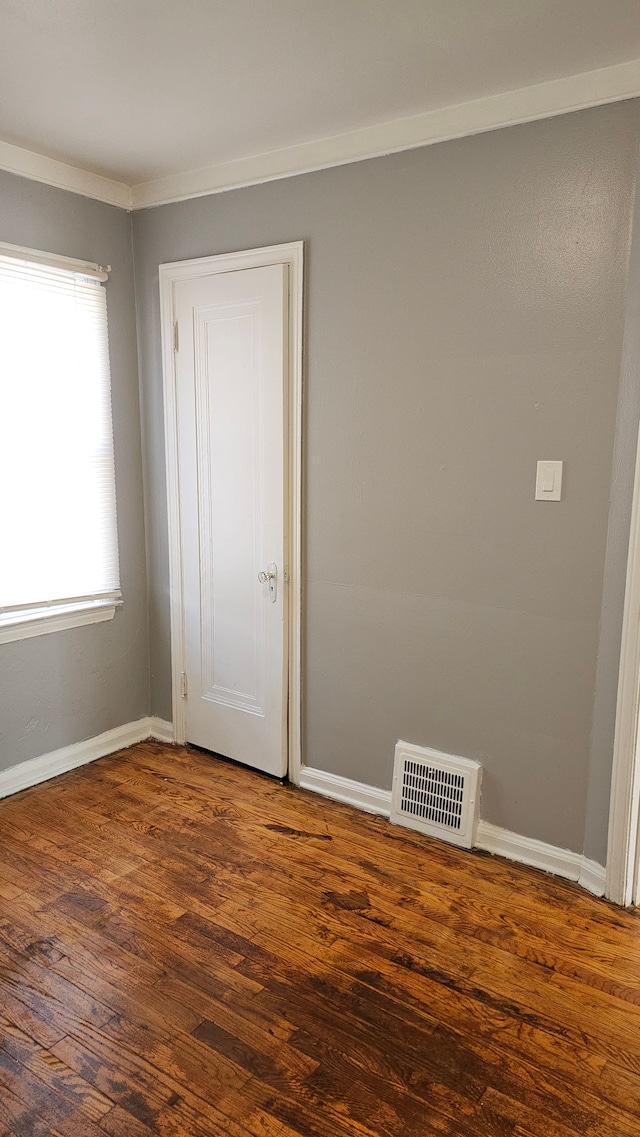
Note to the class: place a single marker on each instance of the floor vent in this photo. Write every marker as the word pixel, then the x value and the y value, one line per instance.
pixel 436 793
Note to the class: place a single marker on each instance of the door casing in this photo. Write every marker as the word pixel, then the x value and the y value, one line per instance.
pixel 291 254
pixel 623 847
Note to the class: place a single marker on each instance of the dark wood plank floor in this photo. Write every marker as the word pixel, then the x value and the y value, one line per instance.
pixel 187 948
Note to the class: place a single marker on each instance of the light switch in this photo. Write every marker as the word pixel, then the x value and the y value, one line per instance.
pixel 549 481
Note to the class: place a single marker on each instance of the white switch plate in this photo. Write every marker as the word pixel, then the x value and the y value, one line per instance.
pixel 549 481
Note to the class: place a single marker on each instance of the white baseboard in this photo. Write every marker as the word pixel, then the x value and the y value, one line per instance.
pixel 593 876
pixel 525 850
pixel 503 843
pixel 369 798
pixel 528 851
pixel 159 729
pixel 47 766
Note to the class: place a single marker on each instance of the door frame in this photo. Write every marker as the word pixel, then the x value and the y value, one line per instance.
pixel 291 254
pixel 623 844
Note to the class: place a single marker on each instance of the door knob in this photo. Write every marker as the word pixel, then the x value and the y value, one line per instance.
pixel 270 576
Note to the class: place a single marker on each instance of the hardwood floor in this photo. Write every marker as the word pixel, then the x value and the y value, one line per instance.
pixel 187 948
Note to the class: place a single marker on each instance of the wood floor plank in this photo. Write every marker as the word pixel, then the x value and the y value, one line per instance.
pixel 190 949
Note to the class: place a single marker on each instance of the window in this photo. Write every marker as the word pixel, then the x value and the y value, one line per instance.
pixel 59 553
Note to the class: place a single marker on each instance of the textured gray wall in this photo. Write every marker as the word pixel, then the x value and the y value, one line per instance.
pixel 465 309
pixel 67 686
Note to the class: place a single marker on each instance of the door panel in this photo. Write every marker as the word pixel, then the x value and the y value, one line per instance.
pixel 230 370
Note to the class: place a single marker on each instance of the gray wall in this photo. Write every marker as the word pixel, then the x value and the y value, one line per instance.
pixel 465 310
pixel 67 686
pixel 465 315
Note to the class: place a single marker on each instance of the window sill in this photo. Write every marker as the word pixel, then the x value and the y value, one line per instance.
pixel 30 622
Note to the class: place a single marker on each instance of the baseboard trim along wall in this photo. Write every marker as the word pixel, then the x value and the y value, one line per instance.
pixel 490 838
pixel 593 876
pixel 159 729
pixel 47 766
pixel 369 798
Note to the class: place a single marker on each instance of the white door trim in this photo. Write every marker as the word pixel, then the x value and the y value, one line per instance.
pixel 291 255
pixel 622 848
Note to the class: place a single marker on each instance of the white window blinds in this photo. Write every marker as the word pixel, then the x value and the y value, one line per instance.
pixel 57 491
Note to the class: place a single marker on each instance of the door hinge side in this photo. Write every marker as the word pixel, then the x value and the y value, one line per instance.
pixel 183 684
pixel 176 337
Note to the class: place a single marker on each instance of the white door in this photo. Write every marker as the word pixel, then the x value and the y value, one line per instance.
pixel 230 367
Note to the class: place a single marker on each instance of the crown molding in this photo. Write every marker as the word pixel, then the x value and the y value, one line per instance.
pixel 510 108
pixel 544 100
pixel 38 168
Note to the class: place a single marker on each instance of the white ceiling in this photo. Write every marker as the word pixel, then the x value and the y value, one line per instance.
pixel 137 90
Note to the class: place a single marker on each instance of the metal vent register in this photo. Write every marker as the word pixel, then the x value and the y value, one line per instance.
pixel 436 793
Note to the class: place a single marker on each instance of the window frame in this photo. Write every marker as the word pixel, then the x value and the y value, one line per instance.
pixel 43 617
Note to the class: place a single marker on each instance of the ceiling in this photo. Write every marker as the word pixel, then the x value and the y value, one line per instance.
pixel 137 90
